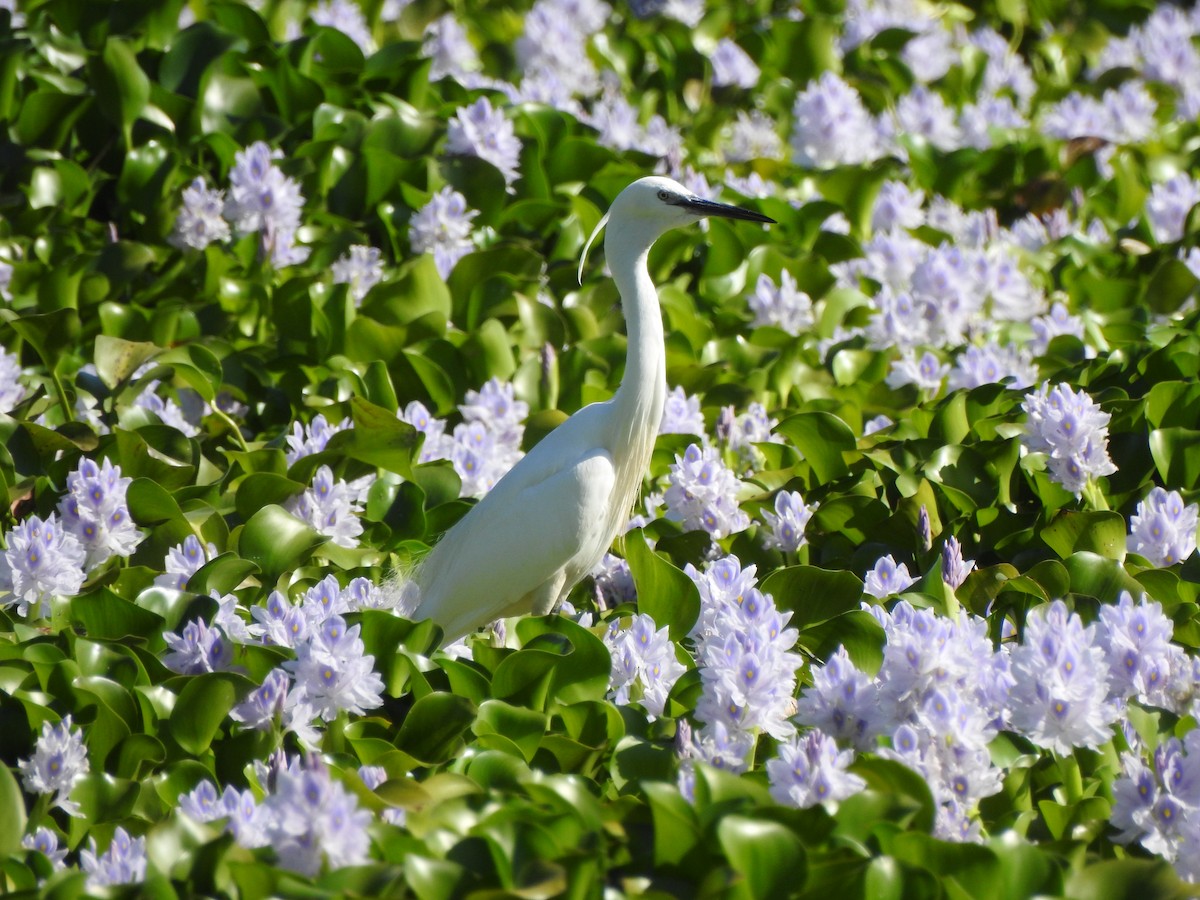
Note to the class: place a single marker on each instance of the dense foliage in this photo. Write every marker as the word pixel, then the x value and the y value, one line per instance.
pixel 911 606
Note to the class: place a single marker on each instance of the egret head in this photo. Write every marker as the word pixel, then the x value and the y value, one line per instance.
pixel 653 205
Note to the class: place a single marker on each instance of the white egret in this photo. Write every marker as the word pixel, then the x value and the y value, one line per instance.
pixel 547 522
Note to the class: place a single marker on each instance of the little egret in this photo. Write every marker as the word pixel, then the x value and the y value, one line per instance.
pixel 547 522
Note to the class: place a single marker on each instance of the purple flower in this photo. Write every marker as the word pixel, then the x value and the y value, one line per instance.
pixel 644 667
pixel 897 206
pixel 753 135
pixel 361 268
pixel 788 522
pixel 262 199
pixel 842 702
pixel 954 568
pixel 12 392
pixel 95 511
pixel 447 45
pixel 1060 700
pixel 1137 645
pixel 58 763
pixel 123 863
pixel 733 66
pixel 681 414
pixel 198 649
pixel 200 222
pixel 348 18
pixel 1164 528
pixel 923 113
pixel 703 494
pixel 887 578
pixel 479 130
pixel 331 507
pixel 443 227
pixel 1072 430
pixel 993 364
pixel 782 305
pixel 333 673
pixel 183 561
pixel 45 842
pixel 42 561
pixel 832 127
pixel 1168 206
pixel 810 770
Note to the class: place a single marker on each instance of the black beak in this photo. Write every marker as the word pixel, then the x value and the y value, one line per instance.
pixel 703 207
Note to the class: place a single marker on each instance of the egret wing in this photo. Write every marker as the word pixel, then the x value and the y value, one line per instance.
pixel 495 560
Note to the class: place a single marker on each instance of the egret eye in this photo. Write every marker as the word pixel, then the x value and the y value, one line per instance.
pixel 664 196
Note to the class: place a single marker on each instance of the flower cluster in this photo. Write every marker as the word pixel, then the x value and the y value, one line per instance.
pixel 1164 528
pixel 362 268
pixel 1072 430
pixel 95 511
pixel 43 561
pixel 331 506
pixel 788 522
pixel 485 445
pixel 183 561
pixel 1061 699
pixel 261 200
pixel 482 131
pixel 644 667
pixel 306 817
pixel 124 862
pixel 443 227
pixel 1158 806
pixel 887 577
pixel 681 414
pixel 744 648
pixel 59 762
pixel 810 769
pixel 940 696
pixel 702 494
pixel 781 305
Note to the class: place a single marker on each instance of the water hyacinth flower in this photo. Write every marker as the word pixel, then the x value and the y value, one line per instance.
pixel 681 414
pixel 311 820
pixel 12 392
pixel 1057 321
pixel 59 762
pixel 782 305
pixel 124 862
pixel 95 511
pixel 926 373
pixel 449 49
pixel 305 440
pixel 1072 430
pixel 1136 639
pixel 200 222
pixel 753 135
pixel 45 842
pixel 199 648
pixel 810 769
pixel 361 267
pixel 480 130
pixel 1060 700
pixel 732 66
pixel 702 494
pixel 42 561
pixel 1164 528
pixel 183 561
pixel 832 127
pixel 993 364
pixel 887 578
pixel 1158 806
pixel 1168 206
pixel 443 227
pixel 644 667
pixel 897 206
pixel 332 672
pixel 788 522
pixel 331 507
pixel 955 569
pixel 262 199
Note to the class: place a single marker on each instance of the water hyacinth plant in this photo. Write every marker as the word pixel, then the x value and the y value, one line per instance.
pixel 908 605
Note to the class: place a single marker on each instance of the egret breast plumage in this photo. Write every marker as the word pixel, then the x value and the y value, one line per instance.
pixel 551 518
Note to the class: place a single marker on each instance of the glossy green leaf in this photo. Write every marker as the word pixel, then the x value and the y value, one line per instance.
pixel 664 592
pixel 276 541
pixel 433 729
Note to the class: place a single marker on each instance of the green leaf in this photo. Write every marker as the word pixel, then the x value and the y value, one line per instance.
pixel 432 731
pixel 822 439
pixel 12 813
pixel 676 830
pixel 276 541
pixel 1099 532
pixel 123 88
pixel 522 727
pixel 584 672
pixel 1176 453
pixel 201 708
pixel 664 592
pixel 768 856
pixel 1095 576
pixel 1125 879
pixel 813 595
pixel 117 359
